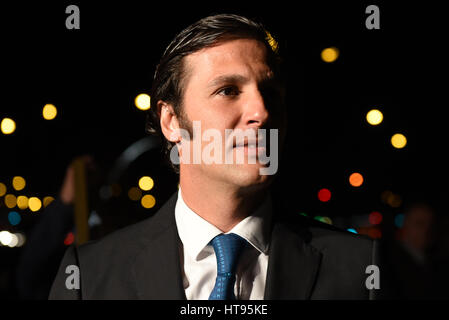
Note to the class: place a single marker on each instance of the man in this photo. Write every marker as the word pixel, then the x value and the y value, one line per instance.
pixel 221 236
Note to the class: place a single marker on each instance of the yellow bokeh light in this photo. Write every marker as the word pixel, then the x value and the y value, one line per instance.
pixel 2 189
pixel 8 126
pixel 134 194
pixel 49 112
pixel 10 201
pixel 326 220
pixel 18 183
pixel 143 101
pixel 398 141
pixel 35 204
pixel 394 200
pixel 146 183
pixel 148 201
pixel 22 202
pixel 48 200
pixel 374 117
pixel 330 54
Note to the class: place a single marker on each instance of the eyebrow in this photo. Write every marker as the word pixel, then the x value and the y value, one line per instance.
pixel 228 78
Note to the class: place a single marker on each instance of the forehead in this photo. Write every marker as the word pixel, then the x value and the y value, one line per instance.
pixel 242 56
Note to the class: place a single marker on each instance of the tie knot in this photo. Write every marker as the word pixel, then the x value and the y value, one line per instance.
pixel 227 250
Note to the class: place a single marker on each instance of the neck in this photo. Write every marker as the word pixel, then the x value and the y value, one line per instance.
pixel 222 205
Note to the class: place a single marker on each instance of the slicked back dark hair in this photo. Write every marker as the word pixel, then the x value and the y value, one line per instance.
pixel 168 83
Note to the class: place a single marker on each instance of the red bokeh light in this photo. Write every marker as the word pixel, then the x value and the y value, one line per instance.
pixel 374 233
pixel 324 195
pixel 375 217
pixel 69 239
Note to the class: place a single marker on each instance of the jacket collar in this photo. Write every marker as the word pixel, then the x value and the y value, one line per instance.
pixel 157 267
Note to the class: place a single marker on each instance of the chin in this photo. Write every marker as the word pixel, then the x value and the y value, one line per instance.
pixel 248 176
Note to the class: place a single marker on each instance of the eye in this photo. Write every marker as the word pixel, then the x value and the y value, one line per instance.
pixel 229 91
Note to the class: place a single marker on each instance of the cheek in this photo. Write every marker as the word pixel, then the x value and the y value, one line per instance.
pixel 214 115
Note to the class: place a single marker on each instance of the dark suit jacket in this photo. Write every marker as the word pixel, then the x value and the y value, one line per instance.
pixel 307 260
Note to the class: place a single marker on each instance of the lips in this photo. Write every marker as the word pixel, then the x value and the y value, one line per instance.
pixel 247 143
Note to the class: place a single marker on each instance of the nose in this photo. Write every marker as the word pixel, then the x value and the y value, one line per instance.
pixel 255 113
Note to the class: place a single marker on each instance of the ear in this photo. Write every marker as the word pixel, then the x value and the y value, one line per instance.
pixel 169 121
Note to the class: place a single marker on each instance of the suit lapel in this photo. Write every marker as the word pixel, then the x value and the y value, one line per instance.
pixel 157 267
pixel 293 264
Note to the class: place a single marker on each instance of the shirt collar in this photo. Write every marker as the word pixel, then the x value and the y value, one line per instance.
pixel 196 233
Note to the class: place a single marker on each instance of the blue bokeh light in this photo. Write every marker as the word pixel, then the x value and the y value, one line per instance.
pixel 14 218
pixel 399 220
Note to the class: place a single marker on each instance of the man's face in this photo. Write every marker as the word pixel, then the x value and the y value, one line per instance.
pixel 230 86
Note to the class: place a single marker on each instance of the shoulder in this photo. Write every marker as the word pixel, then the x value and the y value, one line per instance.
pixel 107 266
pixel 128 241
pixel 123 245
pixel 328 238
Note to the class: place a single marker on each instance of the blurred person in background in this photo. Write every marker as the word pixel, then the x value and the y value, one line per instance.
pixel 410 254
pixel 39 260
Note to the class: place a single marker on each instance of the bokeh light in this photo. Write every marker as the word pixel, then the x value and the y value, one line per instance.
pixel 5 238
pixel 35 204
pixel 69 239
pixel 374 117
pixel 375 218
pixel 18 183
pixel 324 219
pixel 14 240
pixel 146 183
pixel 22 202
pixel 330 54
pixel 2 189
pixel 399 220
pixel 134 194
pixel 392 199
pixel 352 230
pixel 49 112
pixel 143 101
pixel 398 141
pixel 14 218
pixel 8 126
pixel 356 179
pixel 47 200
pixel 375 233
pixel 324 195
pixel 21 239
pixel 148 201
pixel 10 201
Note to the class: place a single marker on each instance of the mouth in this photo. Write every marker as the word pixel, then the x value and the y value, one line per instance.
pixel 246 143
pixel 249 147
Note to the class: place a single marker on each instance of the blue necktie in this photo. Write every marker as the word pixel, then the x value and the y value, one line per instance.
pixel 227 250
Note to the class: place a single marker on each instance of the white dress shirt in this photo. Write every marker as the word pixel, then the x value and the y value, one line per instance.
pixel 198 259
